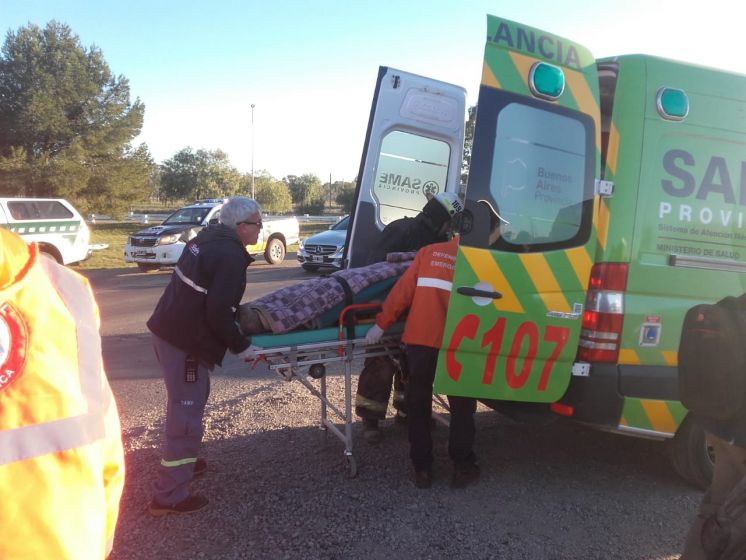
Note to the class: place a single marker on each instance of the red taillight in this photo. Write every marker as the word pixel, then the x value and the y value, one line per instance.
pixel 562 409
pixel 604 313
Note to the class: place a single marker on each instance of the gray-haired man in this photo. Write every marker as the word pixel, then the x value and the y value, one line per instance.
pixel 193 325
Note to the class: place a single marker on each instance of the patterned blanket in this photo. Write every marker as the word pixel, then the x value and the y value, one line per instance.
pixel 295 306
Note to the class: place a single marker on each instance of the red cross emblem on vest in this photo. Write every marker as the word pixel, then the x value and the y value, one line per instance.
pixel 13 345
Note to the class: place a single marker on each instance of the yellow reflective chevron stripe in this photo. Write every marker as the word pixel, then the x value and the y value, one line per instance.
pixel 671 357
pixel 581 263
pixel 612 150
pixel 488 271
pixel 652 416
pixel 545 282
pixel 602 223
pixel 178 462
pixel 659 416
pixel 628 357
pixel 488 77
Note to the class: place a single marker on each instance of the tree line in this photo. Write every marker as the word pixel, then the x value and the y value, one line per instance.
pixel 67 124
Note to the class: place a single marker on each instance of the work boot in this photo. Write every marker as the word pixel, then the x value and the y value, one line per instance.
pixel 423 478
pixel 371 433
pixel 464 474
pixel 190 504
pixel 200 468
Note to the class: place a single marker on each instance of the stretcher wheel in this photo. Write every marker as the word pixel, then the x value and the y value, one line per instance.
pixel 317 371
pixel 351 465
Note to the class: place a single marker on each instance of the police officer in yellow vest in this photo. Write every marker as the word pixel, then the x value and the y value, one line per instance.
pixel 61 457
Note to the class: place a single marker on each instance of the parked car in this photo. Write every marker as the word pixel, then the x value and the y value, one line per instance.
pixel 162 245
pixel 53 223
pixel 324 249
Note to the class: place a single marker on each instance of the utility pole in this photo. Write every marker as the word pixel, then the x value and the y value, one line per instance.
pixel 330 191
pixel 252 152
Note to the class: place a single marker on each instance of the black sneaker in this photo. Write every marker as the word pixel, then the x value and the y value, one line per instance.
pixel 464 474
pixel 371 433
pixel 190 504
pixel 200 468
pixel 423 478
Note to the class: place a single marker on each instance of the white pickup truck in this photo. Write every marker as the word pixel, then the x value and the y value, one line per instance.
pixel 162 245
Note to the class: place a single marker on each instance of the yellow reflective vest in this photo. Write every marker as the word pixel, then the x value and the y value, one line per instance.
pixel 61 456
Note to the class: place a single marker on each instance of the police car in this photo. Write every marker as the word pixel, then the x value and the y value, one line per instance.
pixel 53 223
pixel 162 245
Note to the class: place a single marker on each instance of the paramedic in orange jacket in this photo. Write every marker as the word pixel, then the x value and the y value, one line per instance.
pixel 61 457
pixel 425 289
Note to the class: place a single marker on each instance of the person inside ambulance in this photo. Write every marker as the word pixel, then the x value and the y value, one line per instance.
pixel 432 225
pixel 61 455
pixel 424 290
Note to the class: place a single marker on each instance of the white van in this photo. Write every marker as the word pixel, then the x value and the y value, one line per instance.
pixel 53 223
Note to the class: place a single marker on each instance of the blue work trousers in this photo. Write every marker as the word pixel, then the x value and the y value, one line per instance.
pixel 184 429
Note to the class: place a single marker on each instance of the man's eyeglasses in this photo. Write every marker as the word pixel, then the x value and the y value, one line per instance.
pixel 251 223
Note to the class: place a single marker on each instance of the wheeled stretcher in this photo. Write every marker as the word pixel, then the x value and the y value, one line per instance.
pixel 290 353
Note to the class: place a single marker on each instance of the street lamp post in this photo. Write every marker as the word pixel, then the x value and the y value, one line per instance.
pixel 252 152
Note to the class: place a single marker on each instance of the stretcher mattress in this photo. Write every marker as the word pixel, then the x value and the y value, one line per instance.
pixel 328 334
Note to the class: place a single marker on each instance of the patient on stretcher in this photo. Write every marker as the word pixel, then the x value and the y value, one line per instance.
pixel 317 302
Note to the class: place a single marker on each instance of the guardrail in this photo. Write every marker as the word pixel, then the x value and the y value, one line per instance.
pixel 158 218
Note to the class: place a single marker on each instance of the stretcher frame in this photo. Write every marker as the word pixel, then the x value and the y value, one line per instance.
pixel 287 354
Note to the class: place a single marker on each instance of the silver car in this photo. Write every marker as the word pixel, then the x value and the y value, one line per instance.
pixel 324 249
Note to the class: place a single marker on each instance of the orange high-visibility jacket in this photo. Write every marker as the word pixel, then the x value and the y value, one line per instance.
pixel 425 289
pixel 61 456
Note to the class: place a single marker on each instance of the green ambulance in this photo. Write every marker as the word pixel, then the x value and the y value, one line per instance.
pixel 604 198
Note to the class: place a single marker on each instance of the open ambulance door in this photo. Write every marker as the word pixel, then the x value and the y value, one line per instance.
pixel 413 148
pixel 528 233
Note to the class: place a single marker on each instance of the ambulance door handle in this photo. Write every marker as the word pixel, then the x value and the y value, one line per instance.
pixel 473 292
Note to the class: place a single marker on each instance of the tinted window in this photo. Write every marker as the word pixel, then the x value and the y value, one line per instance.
pixel 39 210
pixel 533 162
pixel 409 167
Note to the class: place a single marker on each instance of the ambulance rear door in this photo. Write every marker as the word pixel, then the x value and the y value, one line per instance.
pixel 413 148
pixel 528 234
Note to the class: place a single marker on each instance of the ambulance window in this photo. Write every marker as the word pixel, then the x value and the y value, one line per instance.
pixel 409 167
pixel 533 163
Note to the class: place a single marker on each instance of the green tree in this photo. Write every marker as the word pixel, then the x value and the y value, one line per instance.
pixel 272 194
pixel 66 122
pixel 200 174
pixel 345 196
pixel 307 192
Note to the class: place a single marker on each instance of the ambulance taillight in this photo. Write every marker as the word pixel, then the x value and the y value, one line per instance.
pixel 603 317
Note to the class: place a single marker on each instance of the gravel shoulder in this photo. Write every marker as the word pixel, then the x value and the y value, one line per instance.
pixel 279 487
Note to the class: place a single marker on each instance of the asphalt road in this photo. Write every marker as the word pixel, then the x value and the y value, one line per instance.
pixel 126 298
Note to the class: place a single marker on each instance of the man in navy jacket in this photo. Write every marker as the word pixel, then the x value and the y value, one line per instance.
pixel 193 325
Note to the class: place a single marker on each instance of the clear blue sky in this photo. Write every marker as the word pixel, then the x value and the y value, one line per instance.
pixel 309 66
